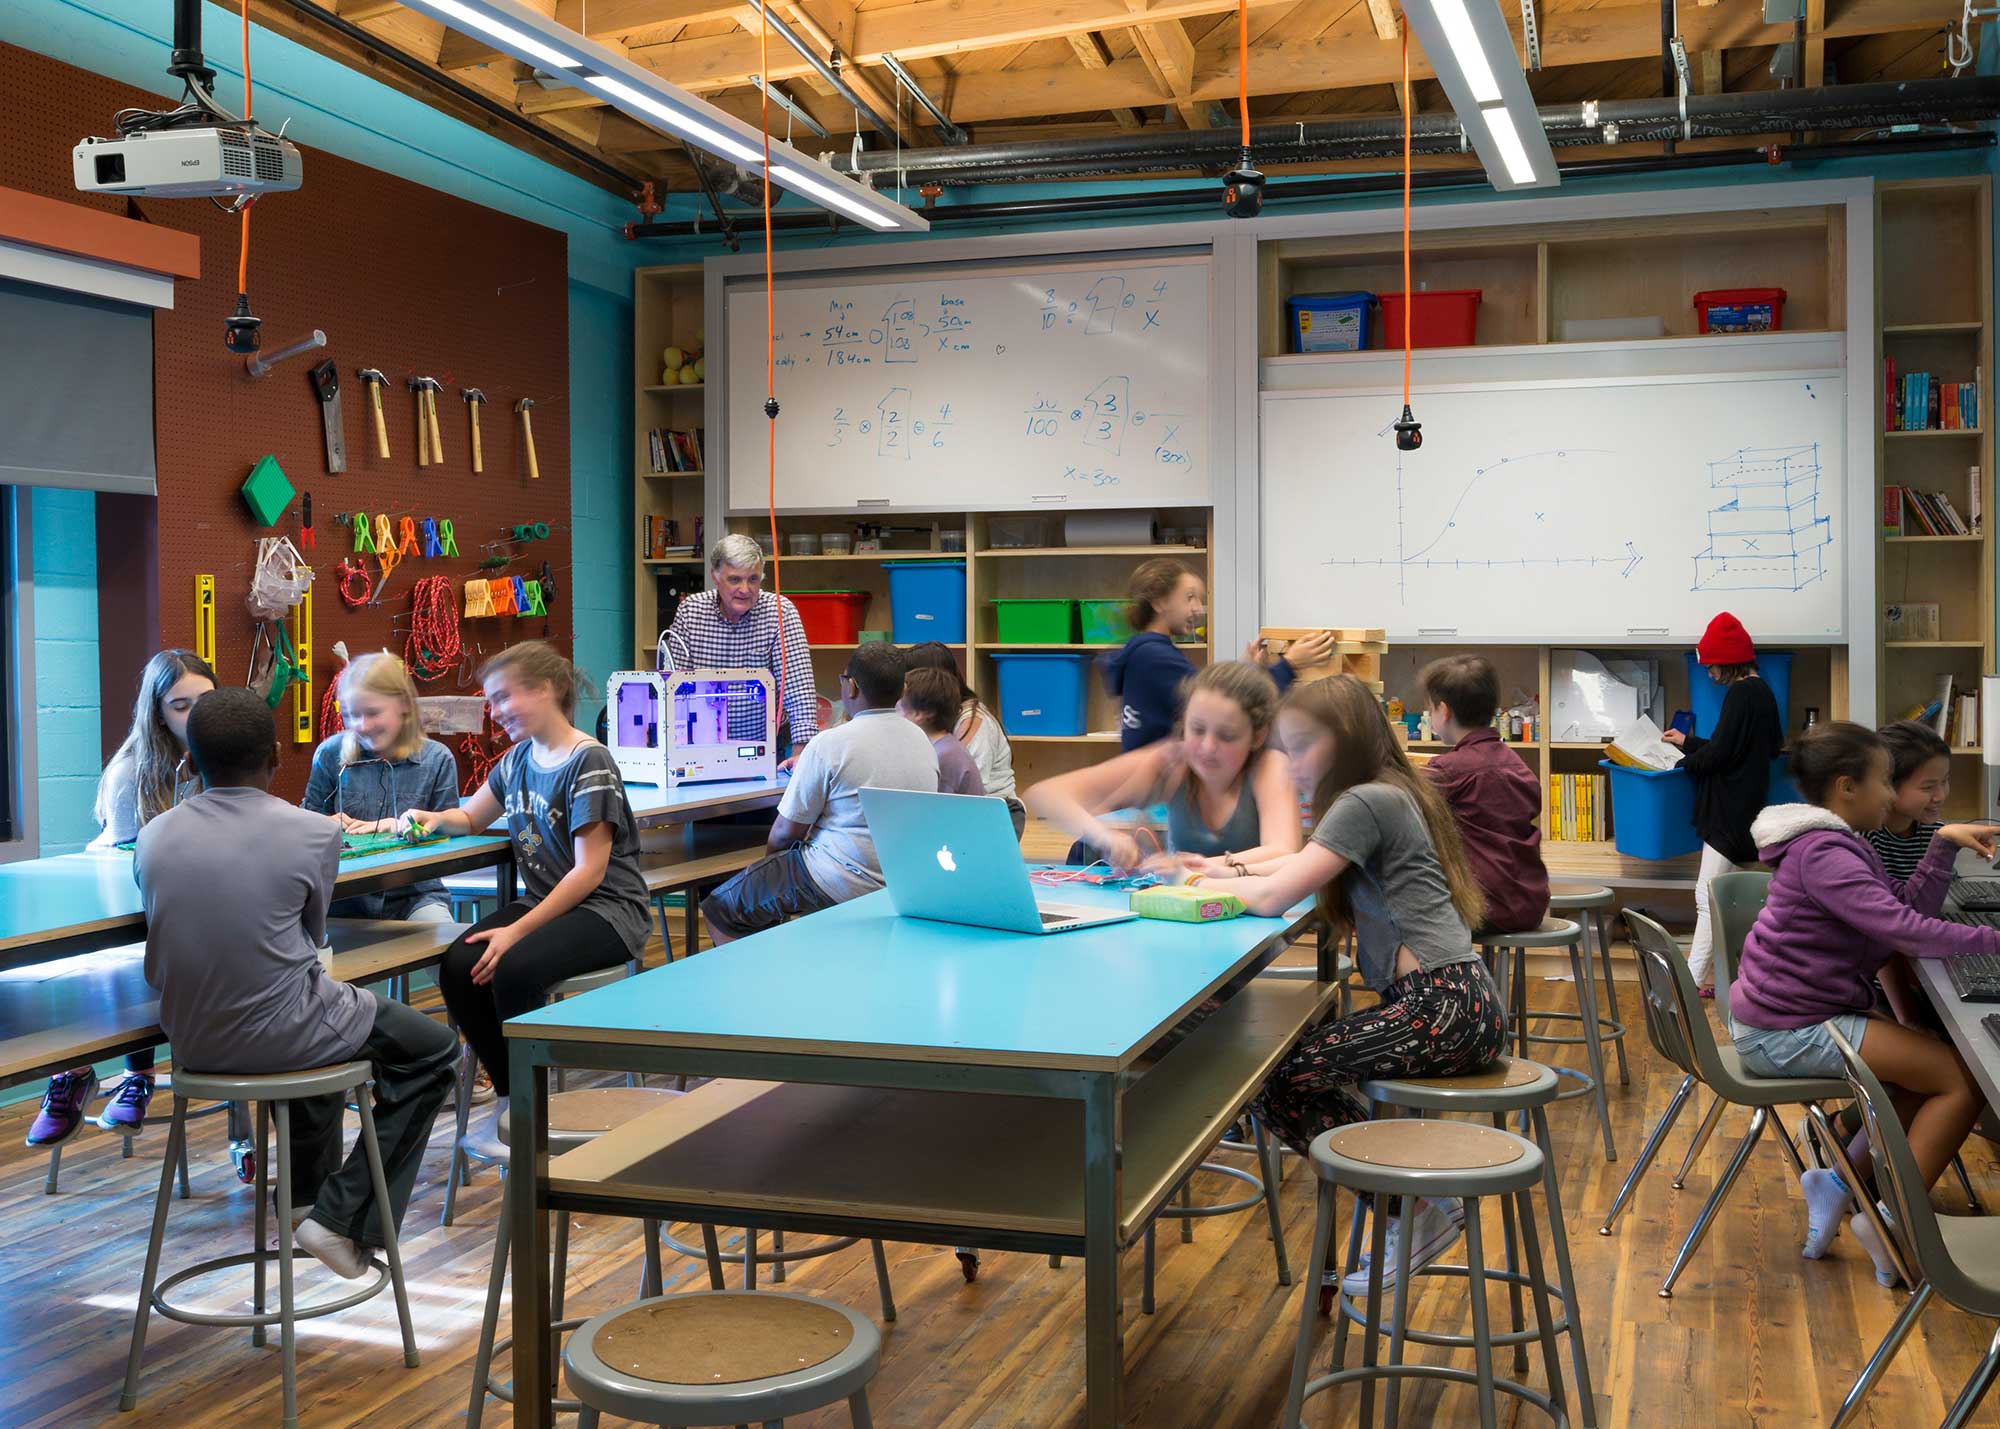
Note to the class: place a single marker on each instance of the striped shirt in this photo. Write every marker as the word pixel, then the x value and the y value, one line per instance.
pixel 1901 853
pixel 703 638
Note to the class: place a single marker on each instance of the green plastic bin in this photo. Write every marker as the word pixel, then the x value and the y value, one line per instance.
pixel 1035 622
pixel 1103 621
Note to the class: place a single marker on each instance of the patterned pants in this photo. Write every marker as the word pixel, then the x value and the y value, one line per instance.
pixel 1441 1023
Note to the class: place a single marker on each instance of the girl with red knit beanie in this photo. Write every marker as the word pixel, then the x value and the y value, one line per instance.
pixel 1731 769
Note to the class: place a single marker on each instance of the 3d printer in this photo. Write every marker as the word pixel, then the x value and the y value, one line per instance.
pixel 693 726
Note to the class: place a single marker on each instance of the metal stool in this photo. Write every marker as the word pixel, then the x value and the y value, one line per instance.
pixel 1510 1086
pixel 575 1119
pixel 1554 933
pixel 1597 903
pixel 1409 1159
pixel 462 1155
pixel 1264 1189
pixel 273 1093
pixel 723 1357
pixel 777 1257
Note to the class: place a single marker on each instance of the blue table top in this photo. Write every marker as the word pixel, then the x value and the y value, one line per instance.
pixel 49 900
pixel 858 979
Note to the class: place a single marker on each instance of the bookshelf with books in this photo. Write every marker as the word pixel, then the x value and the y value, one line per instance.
pixel 668 447
pixel 1934 464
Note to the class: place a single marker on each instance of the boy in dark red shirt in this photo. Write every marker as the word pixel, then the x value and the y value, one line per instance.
pixel 1495 798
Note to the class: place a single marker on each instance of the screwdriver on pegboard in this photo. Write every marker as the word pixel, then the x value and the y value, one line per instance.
pixel 306 522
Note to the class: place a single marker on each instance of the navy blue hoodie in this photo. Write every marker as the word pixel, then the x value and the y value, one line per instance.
pixel 1147 672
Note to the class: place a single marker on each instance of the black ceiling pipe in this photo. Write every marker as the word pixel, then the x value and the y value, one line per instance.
pixel 627 185
pixel 1353 185
pixel 1858 106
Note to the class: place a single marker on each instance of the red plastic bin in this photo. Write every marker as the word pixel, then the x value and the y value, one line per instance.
pixel 830 617
pixel 1444 319
pixel 1740 310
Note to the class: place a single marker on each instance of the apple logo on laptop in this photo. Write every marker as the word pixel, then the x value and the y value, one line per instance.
pixel 946 861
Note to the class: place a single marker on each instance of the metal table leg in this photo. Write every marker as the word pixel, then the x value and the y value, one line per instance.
pixel 1103 1337
pixel 534 1361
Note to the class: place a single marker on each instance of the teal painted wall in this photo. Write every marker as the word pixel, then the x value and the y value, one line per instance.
pixel 63 549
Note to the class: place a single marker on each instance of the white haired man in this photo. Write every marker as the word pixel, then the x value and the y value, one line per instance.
pixel 736 626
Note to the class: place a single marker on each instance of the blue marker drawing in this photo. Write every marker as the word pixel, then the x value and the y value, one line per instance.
pixel 1110 401
pixel 898 331
pixel 1104 297
pixel 892 438
pixel 1767 533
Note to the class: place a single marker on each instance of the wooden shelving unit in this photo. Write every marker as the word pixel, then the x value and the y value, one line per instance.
pixel 1004 572
pixel 1933 319
pixel 666 312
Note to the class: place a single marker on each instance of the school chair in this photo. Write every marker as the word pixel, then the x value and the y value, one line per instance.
pixel 1734 901
pixel 1409 1159
pixel 1509 1087
pixel 273 1093
pixel 1957 1257
pixel 723 1357
pixel 1679 1029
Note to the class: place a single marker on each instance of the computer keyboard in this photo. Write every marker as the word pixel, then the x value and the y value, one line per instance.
pixel 1975 977
pixel 1978 917
pixel 1980 894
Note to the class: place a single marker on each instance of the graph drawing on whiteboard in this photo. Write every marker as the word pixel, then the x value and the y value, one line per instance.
pixel 1767 532
pixel 1437 551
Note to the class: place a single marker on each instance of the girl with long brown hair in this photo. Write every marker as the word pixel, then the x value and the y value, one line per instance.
pixel 1385 860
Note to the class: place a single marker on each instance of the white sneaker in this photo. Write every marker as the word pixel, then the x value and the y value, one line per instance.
pixel 1434 1229
pixel 335 1251
pixel 482 1088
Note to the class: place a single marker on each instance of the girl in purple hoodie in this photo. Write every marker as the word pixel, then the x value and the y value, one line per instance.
pixel 1833 918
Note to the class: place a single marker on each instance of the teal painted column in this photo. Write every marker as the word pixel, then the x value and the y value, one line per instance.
pixel 63 526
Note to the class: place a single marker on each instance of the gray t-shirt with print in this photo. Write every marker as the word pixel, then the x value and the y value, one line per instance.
pixel 1396 888
pixel 544 808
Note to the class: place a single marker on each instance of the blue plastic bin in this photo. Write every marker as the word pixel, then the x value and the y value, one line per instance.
pixel 1043 694
pixel 1652 811
pixel 1783 790
pixel 1329 322
pixel 1706 696
pixel 927 601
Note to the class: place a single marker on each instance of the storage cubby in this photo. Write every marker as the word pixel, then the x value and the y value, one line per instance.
pixel 1658 276
pixel 666 311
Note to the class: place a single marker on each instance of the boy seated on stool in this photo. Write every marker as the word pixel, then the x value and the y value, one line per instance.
pixel 236 884
pixel 820 850
pixel 1495 798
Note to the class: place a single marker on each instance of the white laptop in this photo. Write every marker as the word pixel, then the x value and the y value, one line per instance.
pixel 953 858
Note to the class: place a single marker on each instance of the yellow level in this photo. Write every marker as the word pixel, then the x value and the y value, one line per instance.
pixel 304 708
pixel 204 618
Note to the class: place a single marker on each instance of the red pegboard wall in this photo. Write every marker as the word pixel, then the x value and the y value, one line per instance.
pixel 400 278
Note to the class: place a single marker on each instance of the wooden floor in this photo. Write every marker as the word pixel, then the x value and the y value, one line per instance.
pixel 1754 1335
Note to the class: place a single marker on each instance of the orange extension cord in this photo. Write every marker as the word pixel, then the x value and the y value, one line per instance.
pixel 243 235
pixel 1409 299
pixel 1243 68
pixel 771 356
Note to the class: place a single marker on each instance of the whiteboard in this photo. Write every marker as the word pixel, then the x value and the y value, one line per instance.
pixel 1084 384
pixel 1617 509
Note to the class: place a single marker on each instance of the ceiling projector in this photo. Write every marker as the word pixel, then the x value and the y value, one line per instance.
pixel 210 161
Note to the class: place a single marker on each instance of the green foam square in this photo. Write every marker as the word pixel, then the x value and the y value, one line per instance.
pixel 267 491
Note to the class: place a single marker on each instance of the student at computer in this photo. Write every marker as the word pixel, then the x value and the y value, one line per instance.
pixel 1384 859
pixel 820 850
pixel 1833 917
pixel 1228 794
pixel 977 728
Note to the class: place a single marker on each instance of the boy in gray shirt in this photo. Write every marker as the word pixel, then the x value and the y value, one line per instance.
pixel 236 885
pixel 821 852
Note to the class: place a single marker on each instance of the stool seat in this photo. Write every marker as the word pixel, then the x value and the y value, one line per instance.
pixel 270 1086
pixel 1507 1084
pixel 1579 899
pixel 590 982
pixel 1444 1158
pixel 1554 933
pixel 721 1357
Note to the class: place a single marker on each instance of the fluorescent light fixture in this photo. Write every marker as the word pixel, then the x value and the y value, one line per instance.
pixel 828 194
pixel 577 60
pixel 1464 42
pixel 785 102
pixel 1471 51
pixel 504 34
pixel 1513 158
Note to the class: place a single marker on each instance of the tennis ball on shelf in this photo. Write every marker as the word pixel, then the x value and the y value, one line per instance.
pixel 669 377
pixel 689 377
pixel 673 359
pixel 701 369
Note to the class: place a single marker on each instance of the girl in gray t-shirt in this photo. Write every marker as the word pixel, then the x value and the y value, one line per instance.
pixel 575 844
pixel 1384 860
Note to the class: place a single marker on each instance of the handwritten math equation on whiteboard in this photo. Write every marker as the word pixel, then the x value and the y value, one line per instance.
pixel 1084 383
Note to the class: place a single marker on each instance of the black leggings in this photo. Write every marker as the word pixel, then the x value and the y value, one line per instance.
pixel 577 942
